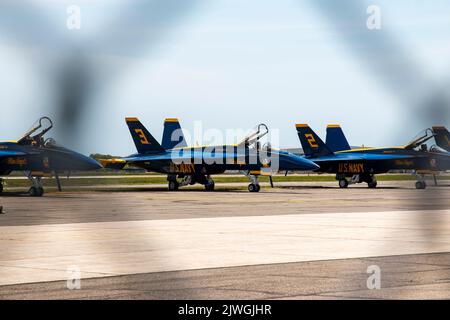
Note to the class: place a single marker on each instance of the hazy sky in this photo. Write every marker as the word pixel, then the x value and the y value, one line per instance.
pixel 227 63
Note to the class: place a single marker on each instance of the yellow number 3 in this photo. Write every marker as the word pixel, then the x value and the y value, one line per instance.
pixel 311 140
pixel 141 135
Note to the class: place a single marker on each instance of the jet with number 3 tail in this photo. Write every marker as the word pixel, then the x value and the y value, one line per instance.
pixel 189 165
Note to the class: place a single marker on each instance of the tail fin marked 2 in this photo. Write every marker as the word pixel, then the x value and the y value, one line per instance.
pixel 442 137
pixel 336 140
pixel 143 140
pixel 173 134
pixel 312 145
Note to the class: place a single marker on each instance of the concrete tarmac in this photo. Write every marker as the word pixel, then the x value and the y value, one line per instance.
pixel 307 241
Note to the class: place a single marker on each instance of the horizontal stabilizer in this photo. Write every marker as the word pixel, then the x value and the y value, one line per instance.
pixel 114 164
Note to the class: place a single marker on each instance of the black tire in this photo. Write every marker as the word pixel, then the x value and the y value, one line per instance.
pixel 258 187
pixel 372 184
pixel 253 187
pixel 1 188
pixel 343 183
pixel 36 192
pixel 173 185
pixel 421 185
pixel 209 186
pixel 33 192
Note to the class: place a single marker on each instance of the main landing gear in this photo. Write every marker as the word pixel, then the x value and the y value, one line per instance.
pixel 421 184
pixel 37 189
pixel 206 180
pixel 357 178
pixel 254 182
pixel 1 186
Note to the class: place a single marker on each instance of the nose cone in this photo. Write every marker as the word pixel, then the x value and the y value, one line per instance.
pixel 307 164
pixel 83 163
pixel 92 164
pixel 290 161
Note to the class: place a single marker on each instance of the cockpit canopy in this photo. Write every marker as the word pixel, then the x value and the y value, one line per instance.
pixel 420 139
pixel 424 141
pixel 252 140
pixel 35 136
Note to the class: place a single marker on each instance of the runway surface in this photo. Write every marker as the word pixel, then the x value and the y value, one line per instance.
pixel 312 240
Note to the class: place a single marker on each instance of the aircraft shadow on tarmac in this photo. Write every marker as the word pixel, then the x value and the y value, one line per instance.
pixel 48 195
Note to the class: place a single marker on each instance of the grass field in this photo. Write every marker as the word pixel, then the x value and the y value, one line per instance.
pixel 159 179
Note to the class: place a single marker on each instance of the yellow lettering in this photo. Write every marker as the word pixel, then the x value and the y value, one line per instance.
pixel 312 142
pixel 141 135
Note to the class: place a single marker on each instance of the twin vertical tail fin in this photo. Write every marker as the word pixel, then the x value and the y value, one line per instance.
pixel 336 140
pixel 173 134
pixel 144 141
pixel 312 145
pixel 442 137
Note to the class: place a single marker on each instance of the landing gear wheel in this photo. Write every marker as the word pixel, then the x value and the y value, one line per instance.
pixel 36 192
pixel 372 184
pixel 1 187
pixel 421 185
pixel 209 186
pixel 253 187
pixel 173 185
pixel 343 183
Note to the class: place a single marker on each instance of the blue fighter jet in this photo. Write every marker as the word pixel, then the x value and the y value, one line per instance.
pixel 39 157
pixel 189 165
pixel 361 164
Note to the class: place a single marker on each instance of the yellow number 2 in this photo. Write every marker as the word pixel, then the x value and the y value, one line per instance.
pixel 141 135
pixel 311 140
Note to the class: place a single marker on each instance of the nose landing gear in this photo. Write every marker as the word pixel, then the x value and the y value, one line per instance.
pixel 421 184
pixel 37 189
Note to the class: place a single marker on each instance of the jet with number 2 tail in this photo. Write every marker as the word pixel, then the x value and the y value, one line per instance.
pixel 189 165
pixel 361 164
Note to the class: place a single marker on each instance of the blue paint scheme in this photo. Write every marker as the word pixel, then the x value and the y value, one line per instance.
pixel 335 139
pixel 10 153
pixel 173 135
pixel 365 162
pixel 38 156
pixel 442 137
pixel 197 163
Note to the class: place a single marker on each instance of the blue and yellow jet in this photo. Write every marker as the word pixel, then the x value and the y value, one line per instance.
pixel 39 157
pixel 189 165
pixel 361 164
